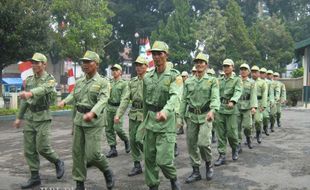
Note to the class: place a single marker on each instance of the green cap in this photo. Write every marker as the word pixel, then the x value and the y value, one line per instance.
pixel 211 71
pixel 201 56
pixel 184 73
pixel 90 56
pixel 160 46
pixel 39 57
pixel 276 74
pixel 228 62
pixel 140 59
pixel 270 72
pixel 244 65
pixel 194 69
pixel 263 70
pixel 255 68
pixel 116 66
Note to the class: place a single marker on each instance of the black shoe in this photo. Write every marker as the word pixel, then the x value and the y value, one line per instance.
pixel 153 188
pixel 60 168
pixel 209 170
pixel 213 137
pixel 80 185
pixel 235 155
pixel 195 176
pixel 176 151
pixel 175 185
pixel 239 149
pixel 272 130
pixel 266 130
pixel 258 137
pixel 112 153
pixel 137 169
pixel 127 146
pixel 248 139
pixel 221 160
pixel 33 181
pixel 180 131
pixel 109 179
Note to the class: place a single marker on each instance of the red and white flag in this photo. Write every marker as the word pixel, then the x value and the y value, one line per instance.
pixel 71 79
pixel 148 56
pixel 25 69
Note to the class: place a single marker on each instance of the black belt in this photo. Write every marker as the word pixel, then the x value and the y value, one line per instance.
pixel 137 105
pixel 154 108
pixel 245 97
pixel 83 109
pixel 199 110
pixel 259 97
pixel 225 101
pixel 114 104
pixel 38 108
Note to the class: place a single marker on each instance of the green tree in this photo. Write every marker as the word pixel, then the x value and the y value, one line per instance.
pixel 24 28
pixel 211 29
pixel 176 33
pixel 274 43
pixel 238 44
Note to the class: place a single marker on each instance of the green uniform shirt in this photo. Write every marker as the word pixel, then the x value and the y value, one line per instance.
pixel 92 94
pixel 118 91
pixel 276 90
pixel 282 91
pixel 230 90
pixel 42 88
pixel 262 92
pixel 199 93
pixel 270 99
pixel 160 92
pixel 134 94
pixel 248 98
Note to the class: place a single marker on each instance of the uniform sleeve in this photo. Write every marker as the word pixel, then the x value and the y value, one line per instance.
pixel 254 96
pixel 264 94
pixel 174 92
pixel 125 99
pixel 102 99
pixel 283 92
pixel 69 99
pixel 183 105
pixel 277 92
pixel 44 89
pixel 238 91
pixel 271 93
pixel 22 109
pixel 215 96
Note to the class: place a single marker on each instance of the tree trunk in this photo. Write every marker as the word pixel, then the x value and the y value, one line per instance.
pixel 1 68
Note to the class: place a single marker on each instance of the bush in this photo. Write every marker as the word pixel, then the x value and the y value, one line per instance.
pixel 4 111
pixel 297 72
pixel 293 97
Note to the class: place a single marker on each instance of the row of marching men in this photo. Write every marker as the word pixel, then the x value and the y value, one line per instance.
pixel 160 100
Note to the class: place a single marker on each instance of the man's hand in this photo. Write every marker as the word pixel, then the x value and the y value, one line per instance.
pixel 161 116
pixel 61 104
pixel 89 116
pixel 116 120
pixel 210 116
pixel 16 123
pixel 253 111
pixel 25 95
pixel 230 105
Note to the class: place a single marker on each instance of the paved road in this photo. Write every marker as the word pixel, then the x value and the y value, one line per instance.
pixel 282 161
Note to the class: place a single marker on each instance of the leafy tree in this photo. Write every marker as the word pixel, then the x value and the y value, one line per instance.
pixel 24 28
pixel 297 72
pixel 238 44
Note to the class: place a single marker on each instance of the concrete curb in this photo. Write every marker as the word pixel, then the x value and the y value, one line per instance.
pixel 54 113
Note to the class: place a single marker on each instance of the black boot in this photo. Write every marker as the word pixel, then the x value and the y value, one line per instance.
pixel 137 169
pixel 221 160
pixel 259 137
pixel 176 151
pixel 266 130
pixel 209 170
pixel 195 176
pixel 153 188
pixel 127 146
pixel 180 131
pixel 239 148
pixel 60 168
pixel 112 153
pixel 235 155
pixel 175 185
pixel 213 137
pixel 80 185
pixel 248 139
pixel 33 181
pixel 109 179
pixel 278 119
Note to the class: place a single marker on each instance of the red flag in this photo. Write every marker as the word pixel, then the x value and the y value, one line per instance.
pixel 71 79
pixel 149 57
pixel 25 69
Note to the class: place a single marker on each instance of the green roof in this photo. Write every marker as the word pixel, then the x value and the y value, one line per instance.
pixel 300 46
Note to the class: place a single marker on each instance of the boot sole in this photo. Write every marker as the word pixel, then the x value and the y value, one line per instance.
pixel 130 175
pixel 188 182
pixel 34 185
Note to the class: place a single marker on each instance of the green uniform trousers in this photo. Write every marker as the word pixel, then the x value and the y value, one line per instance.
pixel 273 114
pixel 266 116
pixel 136 146
pixel 226 129
pixel 258 119
pixel 279 110
pixel 159 153
pixel 198 138
pixel 111 128
pixel 244 123
pixel 86 149
pixel 37 141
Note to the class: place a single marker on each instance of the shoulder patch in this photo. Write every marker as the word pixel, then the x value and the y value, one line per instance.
pixel 179 80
